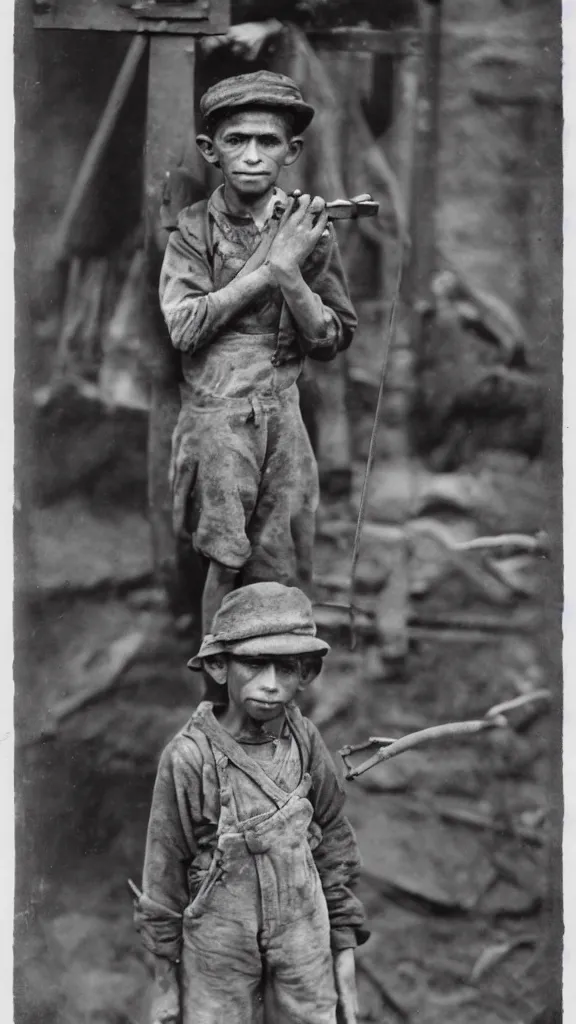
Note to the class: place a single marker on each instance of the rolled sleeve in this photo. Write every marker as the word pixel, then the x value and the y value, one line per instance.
pixel 170 850
pixel 194 312
pixel 328 282
pixel 337 857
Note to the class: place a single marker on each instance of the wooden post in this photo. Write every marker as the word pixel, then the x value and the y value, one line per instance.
pixel 170 148
pixel 422 202
pixel 400 138
pixel 545 278
pixel 424 180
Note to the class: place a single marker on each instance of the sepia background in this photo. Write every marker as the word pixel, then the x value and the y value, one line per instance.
pixel 449 114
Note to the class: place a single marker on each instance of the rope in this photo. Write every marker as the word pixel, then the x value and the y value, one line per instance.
pixel 372 447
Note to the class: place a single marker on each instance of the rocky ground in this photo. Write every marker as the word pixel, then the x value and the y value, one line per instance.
pixel 453 836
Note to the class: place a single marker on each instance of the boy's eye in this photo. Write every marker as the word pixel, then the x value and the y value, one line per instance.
pixel 233 140
pixel 286 668
pixel 269 140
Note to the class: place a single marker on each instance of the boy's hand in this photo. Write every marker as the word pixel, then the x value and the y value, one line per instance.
pixel 165 1004
pixel 345 976
pixel 300 229
pixel 245 40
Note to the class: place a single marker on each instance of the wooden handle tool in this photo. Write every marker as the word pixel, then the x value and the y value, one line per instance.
pixel 348 209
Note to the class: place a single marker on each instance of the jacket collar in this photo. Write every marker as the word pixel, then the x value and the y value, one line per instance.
pixel 205 713
pixel 218 209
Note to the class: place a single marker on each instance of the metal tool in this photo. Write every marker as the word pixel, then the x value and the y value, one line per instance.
pixel 347 209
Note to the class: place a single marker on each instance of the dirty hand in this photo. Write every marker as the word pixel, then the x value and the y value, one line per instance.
pixel 302 224
pixel 165 1006
pixel 345 977
pixel 244 40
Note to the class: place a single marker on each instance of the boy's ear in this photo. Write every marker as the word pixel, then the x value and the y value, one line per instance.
pixel 309 669
pixel 294 150
pixel 217 668
pixel 206 146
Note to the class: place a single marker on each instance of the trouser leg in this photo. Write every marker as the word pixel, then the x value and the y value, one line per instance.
pixel 281 530
pixel 220 581
pixel 301 988
pixel 221 973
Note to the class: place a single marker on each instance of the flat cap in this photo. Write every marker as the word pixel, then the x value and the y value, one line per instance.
pixel 260 620
pixel 258 89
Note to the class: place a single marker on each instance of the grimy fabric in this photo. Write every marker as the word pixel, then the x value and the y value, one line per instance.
pixel 245 488
pixel 265 618
pixel 195 879
pixel 257 89
pixel 244 477
pixel 258 933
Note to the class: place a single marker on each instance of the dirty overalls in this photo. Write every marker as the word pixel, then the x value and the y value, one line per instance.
pixel 244 475
pixel 256 936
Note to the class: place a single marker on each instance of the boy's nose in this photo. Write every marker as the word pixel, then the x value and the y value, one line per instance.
pixel 268 680
pixel 251 153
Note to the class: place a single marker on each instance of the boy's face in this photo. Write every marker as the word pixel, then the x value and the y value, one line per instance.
pixel 262 686
pixel 251 148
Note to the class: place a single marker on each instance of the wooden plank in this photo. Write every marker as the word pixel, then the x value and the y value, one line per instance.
pixel 98 143
pixel 425 171
pixel 205 17
pixel 394 603
pixel 394 42
pixel 170 150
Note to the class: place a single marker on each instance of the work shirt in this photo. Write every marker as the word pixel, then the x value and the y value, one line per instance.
pixel 261 343
pixel 182 833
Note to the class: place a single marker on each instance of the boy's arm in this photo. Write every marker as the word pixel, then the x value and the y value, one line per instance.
pixel 194 312
pixel 337 857
pixel 170 849
pixel 322 310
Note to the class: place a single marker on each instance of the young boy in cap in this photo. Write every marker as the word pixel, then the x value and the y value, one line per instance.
pixel 252 282
pixel 247 905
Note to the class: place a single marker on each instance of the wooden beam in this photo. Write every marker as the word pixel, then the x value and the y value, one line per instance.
pixel 425 171
pixel 170 149
pixel 97 146
pixel 205 17
pixel 394 42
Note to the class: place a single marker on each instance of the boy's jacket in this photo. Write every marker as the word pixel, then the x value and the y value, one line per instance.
pixel 182 833
pixel 211 248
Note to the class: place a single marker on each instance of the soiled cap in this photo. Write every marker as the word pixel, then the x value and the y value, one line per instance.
pixel 258 89
pixel 260 620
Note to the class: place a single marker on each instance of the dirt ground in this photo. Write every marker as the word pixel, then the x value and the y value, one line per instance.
pixel 454 837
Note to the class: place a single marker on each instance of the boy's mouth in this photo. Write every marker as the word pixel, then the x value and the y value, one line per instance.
pixel 265 707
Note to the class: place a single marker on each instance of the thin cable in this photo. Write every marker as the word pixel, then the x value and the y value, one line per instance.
pixel 372 447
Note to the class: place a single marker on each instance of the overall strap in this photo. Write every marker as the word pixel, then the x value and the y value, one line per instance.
pixel 231 750
pixel 208 239
pixel 261 251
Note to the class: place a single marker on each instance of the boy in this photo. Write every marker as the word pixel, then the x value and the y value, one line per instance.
pixel 247 907
pixel 252 282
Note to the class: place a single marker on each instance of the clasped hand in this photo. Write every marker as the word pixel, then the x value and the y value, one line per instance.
pixel 345 978
pixel 302 224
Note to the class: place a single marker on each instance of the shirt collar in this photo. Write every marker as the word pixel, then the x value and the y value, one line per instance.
pixel 217 205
